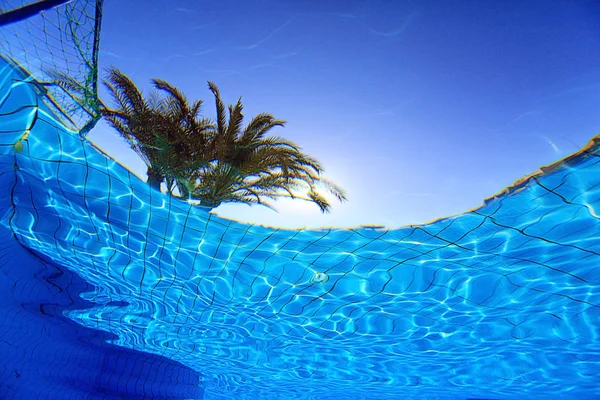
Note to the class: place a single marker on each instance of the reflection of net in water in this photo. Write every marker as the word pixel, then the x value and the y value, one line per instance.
pixel 58 40
pixel 497 302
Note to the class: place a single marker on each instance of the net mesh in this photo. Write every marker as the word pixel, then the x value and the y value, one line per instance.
pixel 61 41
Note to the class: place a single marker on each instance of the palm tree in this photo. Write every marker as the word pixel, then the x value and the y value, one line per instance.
pixel 212 162
pixel 250 167
pixel 165 130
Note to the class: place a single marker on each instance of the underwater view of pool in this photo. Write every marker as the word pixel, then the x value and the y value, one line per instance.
pixel 111 290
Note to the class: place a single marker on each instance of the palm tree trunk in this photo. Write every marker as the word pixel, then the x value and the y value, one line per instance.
pixel 154 179
pixel 183 191
pixel 208 204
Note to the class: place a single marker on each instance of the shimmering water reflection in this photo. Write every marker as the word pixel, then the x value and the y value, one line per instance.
pixel 501 302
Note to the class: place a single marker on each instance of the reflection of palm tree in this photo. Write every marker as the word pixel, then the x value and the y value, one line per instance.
pixel 250 167
pixel 166 132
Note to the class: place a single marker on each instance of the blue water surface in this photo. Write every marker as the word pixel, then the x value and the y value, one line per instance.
pixel 111 290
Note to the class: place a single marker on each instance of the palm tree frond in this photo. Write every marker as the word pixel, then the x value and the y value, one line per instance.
pixel 221 117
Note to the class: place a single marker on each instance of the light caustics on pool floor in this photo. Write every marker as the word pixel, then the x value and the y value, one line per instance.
pixel 501 302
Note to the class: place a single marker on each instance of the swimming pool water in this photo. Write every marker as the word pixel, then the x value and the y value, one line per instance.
pixel 112 290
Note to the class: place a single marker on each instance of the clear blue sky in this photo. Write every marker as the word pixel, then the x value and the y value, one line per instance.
pixel 419 109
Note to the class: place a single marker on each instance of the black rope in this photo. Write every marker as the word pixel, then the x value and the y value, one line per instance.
pixel 27 11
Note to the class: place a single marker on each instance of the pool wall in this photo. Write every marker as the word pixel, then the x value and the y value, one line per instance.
pixel 500 302
pixel 43 354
